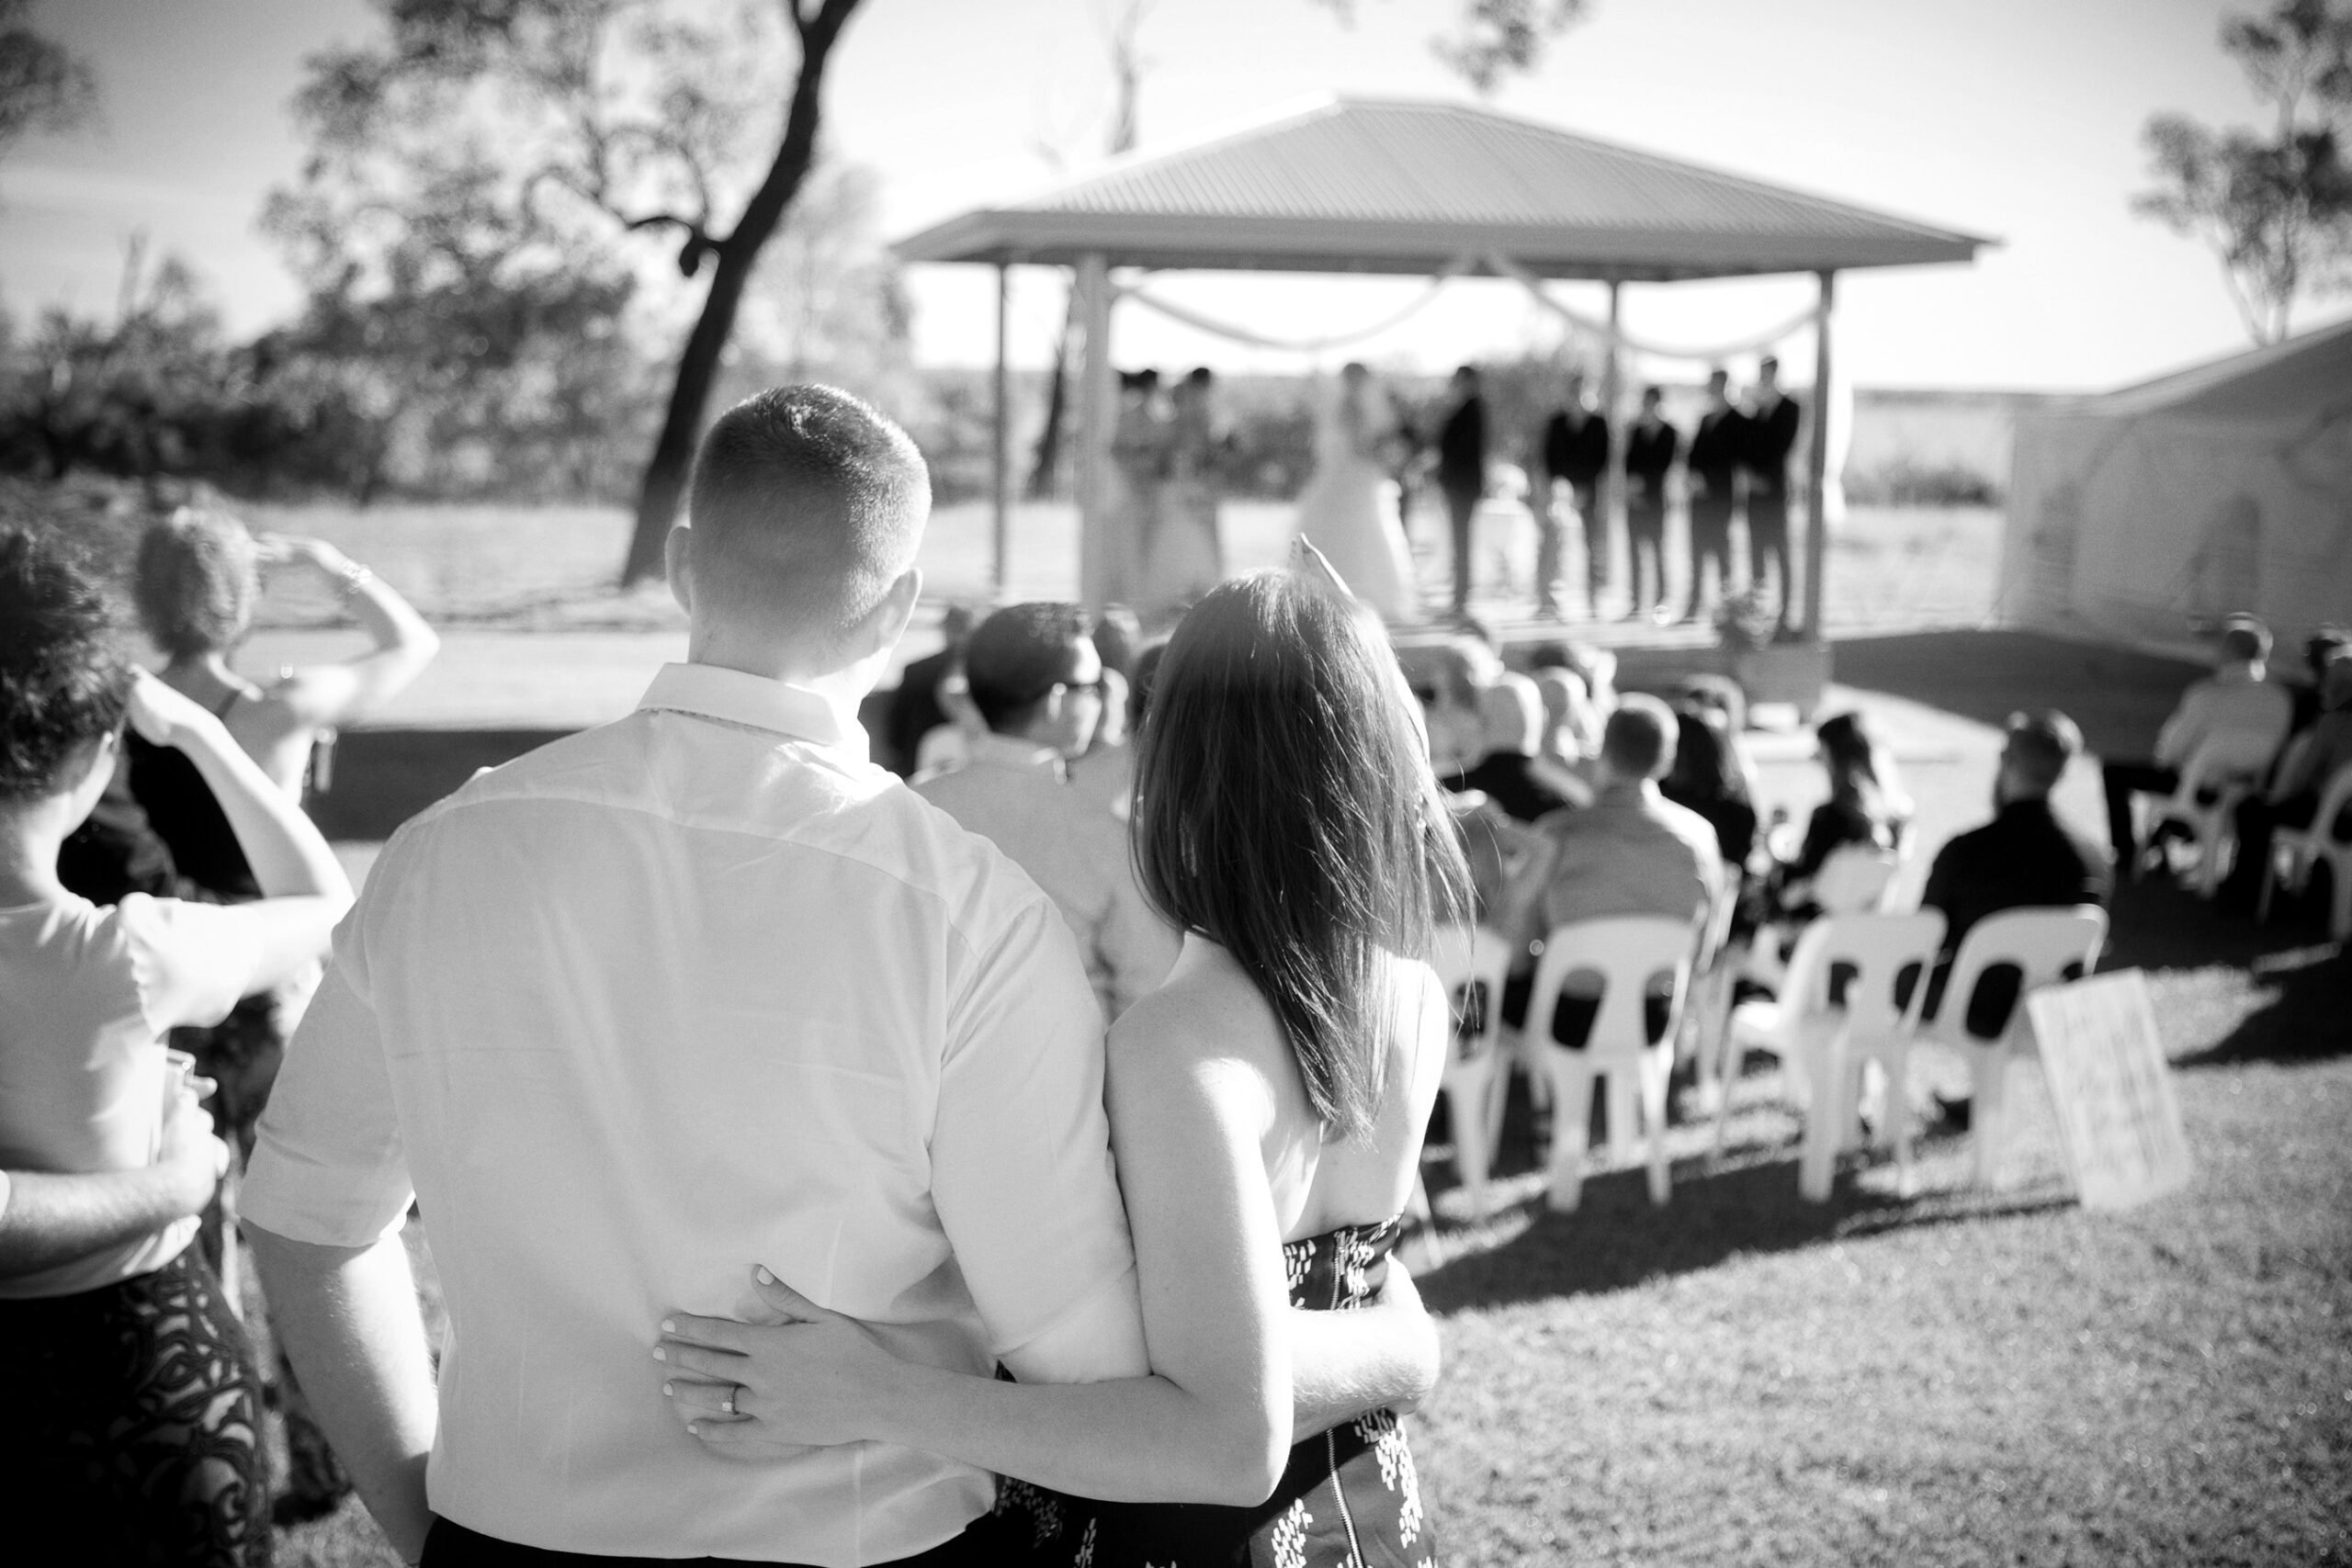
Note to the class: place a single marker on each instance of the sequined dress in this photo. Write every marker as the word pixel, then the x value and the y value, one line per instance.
pixel 1348 1496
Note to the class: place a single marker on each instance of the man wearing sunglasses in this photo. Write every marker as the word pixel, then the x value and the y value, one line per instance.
pixel 1036 679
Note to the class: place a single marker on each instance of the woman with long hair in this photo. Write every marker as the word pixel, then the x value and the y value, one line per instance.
pixel 1266 1105
pixel 1867 808
pixel 133 1420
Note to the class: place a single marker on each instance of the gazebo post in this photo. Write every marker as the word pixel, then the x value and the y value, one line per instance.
pixel 1612 398
pixel 1001 464
pixel 1096 548
pixel 1816 534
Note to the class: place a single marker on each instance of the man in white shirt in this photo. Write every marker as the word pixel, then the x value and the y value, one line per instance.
pixel 699 988
pixel 2238 699
pixel 1034 674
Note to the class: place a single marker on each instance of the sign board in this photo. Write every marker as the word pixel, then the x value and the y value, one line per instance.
pixel 2111 1088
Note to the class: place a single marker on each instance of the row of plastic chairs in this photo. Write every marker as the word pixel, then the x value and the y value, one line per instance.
pixel 1842 1006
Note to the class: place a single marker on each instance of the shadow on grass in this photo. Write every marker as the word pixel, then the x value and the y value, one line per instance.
pixel 2307 1017
pixel 1617 1239
pixel 2118 697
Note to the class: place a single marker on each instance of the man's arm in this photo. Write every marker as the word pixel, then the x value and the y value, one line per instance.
pixel 46 1220
pixel 2184 730
pixel 348 1319
pixel 1347 1364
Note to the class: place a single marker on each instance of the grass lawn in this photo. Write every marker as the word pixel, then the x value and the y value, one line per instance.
pixel 1742 1378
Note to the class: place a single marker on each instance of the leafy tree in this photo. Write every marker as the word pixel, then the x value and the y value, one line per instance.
pixel 1494 40
pixel 2276 206
pixel 600 118
pixel 43 85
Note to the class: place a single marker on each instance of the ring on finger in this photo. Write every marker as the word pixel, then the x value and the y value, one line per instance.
pixel 727 1401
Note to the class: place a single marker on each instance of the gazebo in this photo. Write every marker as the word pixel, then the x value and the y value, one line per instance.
pixel 1429 189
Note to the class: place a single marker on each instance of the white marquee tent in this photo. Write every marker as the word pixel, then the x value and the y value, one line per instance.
pixel 2144 515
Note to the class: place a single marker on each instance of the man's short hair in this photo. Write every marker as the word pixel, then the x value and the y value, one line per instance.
pixel 808 504
pixel 1018 656
pixel 2244 638
pixel 2041 741
pixel 1639 739
pixel 1769 363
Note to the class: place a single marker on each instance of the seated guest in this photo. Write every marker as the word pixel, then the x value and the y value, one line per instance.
pixel 1037 680
pixel 1631 851
pixel 1106 774
pixel 914 710
pixel 2237 698
pixel 1706 779
pixel 1866 809
pixel 1513 711
pixel 2308 695
pixel 2311 759
pixel 2024 858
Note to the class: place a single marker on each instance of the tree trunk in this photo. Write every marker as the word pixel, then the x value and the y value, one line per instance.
pixel 666 473
pixel 1046 466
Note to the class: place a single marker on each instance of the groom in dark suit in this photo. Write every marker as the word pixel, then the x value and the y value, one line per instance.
pixel 1462 472
pixel 1771 435
pixel 1714 467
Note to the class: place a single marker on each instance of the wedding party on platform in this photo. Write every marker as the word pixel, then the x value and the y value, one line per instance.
pixel 1119 782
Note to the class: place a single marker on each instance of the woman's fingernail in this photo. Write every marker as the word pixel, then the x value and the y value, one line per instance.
pixel 762 1276
pixel 669 1325
pixel 669 1388
pixel 693 1430
pixel 660 1353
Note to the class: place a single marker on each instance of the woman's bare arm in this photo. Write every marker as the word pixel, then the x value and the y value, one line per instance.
pixel 329 695
pixel 304 890
pixel 1212 1425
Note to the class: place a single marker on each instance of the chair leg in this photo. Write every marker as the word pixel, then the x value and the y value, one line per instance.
pixel 1655 1072
pixel 1571 1113
pixel 1625 1096
pixel 1467 1105
pixel 1824 1121
pixel 1988 1116
pixel 2339 886
pixel 2269 887
pixel 1898 1111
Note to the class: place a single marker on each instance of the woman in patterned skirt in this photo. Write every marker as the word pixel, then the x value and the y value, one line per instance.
pixel 134 1423
pixel 1266 1105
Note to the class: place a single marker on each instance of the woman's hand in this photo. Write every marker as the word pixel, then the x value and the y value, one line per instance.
pixel 191 1152
pixel 161 716
pixel 295 549
pixel 808 1378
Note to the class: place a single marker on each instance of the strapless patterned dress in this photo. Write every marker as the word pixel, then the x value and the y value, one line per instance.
pixel 1348 1496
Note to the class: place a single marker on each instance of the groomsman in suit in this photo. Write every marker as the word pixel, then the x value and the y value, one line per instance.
pixel 1715 449
pixel 1462 472
pixel 1771 434
pixel 1650 449
pixel 1575 453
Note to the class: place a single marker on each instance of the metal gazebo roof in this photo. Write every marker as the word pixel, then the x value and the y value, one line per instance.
pixel 1384 185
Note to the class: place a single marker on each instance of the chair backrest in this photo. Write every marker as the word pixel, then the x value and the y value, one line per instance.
pixel 1471 963
pixel 1853 878
pixel 2042 944
pixel 1628 952
pixel 1871 952
pixel 2334 800
pixel 2232 759
pixel 1714 933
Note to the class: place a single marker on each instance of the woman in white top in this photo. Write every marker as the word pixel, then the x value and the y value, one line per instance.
pixel 1266 1105
pixel 131 1400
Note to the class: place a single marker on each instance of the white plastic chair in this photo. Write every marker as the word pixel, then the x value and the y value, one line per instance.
pixel 1708 1013
pixel 2294 850
pixel 1628 952
pixel 1823 1047
pixel 2221 771
pixel 2043 944
pixel 1471 963
pixel 1856 879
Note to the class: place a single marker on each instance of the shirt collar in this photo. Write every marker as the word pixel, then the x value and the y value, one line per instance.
pixel 732 697
pixel 996 750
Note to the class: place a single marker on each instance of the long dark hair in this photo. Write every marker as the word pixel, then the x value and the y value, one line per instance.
pixel 1285 810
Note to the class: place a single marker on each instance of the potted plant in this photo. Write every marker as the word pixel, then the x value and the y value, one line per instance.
pixel 1769 670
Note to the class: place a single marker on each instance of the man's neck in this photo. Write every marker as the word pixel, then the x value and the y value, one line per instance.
pixel 30 836
pixel 2250 670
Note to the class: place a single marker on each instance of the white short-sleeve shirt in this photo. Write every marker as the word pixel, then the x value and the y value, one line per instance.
pixel 700 990
pixel 87 993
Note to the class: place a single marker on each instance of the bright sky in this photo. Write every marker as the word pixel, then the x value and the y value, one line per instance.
pixel 2013 119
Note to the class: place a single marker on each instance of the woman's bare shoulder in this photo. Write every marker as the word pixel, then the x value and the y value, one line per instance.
pixel 1208 1011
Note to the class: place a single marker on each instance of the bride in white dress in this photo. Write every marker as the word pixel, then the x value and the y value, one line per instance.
pixel 1348 509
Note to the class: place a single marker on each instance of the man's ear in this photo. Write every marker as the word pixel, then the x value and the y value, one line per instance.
pixel 889 622
pixel 677 564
